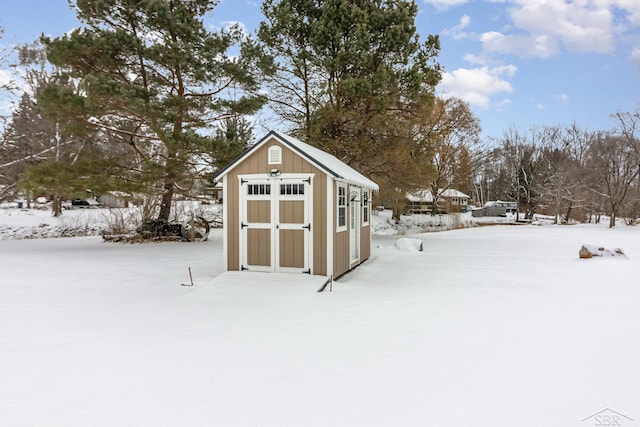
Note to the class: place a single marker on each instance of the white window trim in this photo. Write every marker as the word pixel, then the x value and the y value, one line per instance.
pixel 344 227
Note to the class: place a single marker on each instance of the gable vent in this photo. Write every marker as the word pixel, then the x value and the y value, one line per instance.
pixel 275 155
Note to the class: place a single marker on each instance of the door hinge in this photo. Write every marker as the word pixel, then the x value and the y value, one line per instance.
pixel 308 226
pixel 243 268
pixel 307 271
pixel 243 225
pixel 308 180
pixel 242 181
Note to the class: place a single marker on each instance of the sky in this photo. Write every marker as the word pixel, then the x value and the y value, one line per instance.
pixel 518 63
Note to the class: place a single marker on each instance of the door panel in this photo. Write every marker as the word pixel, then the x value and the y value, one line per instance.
pixel 259 247
pixel 294 225
pixel 259 211
pixel 256 226
pixel 292 249
pixel 292 212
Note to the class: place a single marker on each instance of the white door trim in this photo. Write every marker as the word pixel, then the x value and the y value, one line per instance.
pixel 355 217
pixel 274 198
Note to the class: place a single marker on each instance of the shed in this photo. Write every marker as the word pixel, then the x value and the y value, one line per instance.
pixel 291 207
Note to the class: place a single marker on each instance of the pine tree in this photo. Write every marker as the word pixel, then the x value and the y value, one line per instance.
pixel 232 138
pixel 152 79
pixel 365 79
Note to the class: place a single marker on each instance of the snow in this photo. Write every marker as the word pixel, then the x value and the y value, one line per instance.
pixel 407 244
pixel 427 196
pixel 337 167
pixel 496 325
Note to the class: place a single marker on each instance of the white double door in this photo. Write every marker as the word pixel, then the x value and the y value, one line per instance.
pixel 276 223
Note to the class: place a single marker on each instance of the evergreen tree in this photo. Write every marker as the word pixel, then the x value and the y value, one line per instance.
pixel 365 80
pixel 32 138
pixel 28 139
pixel 232 138
pixel 152 78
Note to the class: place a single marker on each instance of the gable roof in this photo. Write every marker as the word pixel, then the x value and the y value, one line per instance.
pixel 427 196
pixel 323 160
pixel 451 192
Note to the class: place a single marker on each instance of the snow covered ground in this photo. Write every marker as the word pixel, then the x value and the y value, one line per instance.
pixel 488 326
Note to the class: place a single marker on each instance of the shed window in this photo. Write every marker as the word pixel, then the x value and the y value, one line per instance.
pixel 289 189
pixel 275 155
pixel 258 189
pixel 342 207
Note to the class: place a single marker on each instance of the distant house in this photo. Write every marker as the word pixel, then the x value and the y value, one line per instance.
pixel 419 202
pixel 117 199
pixel 215 192
pixel 113 200
pixel 449 200
pixel 497 208
pixel 290 207
pixel 456 201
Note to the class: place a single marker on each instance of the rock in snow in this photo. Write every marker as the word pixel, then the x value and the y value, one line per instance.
pixel 406 244
pixel 589 251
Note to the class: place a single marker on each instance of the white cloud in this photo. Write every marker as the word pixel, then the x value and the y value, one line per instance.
pixel 563 98
pixel 522 45
pixel 477 85
pixel 457 32
pixel 445 4
pixel 474 59
pixel 630 7
pixel 544 28
pixel 583 26
pixel 233 25
pixel 5 77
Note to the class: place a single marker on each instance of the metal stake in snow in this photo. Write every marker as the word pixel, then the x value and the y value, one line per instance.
pixel 190 278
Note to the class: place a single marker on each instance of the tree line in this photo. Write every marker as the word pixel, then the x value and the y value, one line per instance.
pixel 144 98
pixel 566 171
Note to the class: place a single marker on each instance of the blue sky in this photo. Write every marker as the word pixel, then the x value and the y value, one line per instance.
pixel 519 63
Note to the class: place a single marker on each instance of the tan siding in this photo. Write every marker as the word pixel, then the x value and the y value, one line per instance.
pixel 365 242
pixel 341 253
pixel 319 229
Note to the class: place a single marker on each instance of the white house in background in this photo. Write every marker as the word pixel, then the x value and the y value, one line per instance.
pixel 449 200
pixel 497 208
pixel 113 199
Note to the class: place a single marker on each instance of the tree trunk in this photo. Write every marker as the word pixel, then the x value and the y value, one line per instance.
pixel 167 199
pixel 56 208
pixel 612 220
pixel 169 187
pixel 569 213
